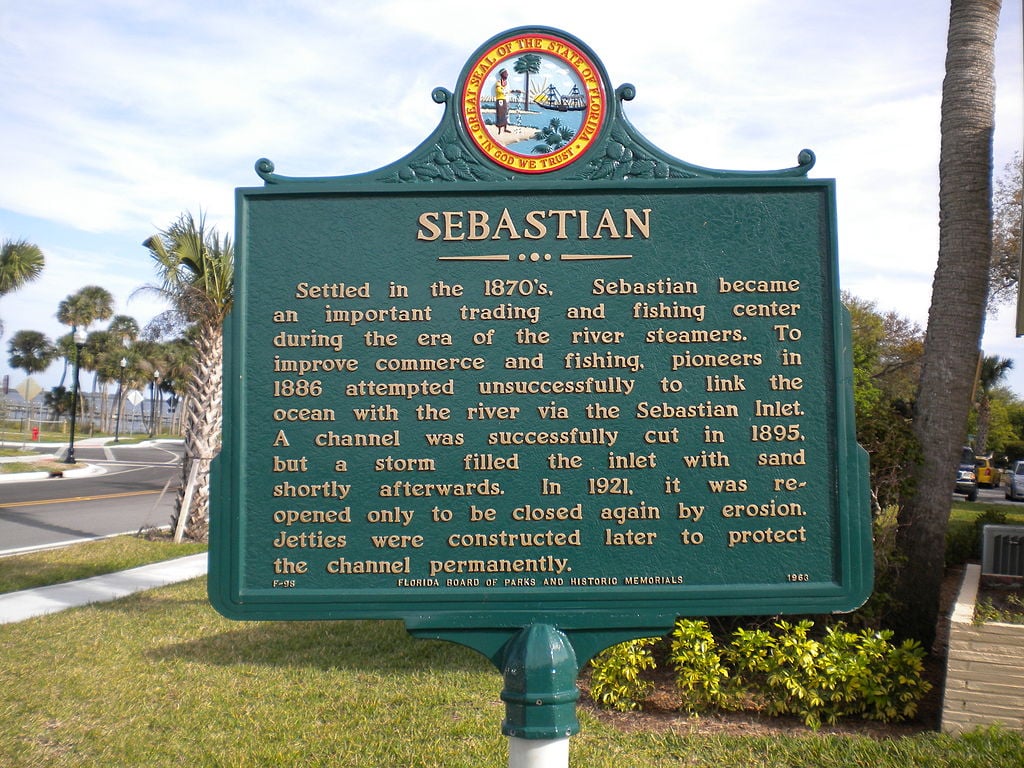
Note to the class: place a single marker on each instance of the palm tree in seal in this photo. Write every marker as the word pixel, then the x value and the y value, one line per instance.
pixel 196 269
pixel 527 64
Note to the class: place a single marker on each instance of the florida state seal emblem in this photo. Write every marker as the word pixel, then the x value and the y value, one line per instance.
pixel 533 102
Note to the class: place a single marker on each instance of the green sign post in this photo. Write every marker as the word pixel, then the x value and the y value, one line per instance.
pixel 538 387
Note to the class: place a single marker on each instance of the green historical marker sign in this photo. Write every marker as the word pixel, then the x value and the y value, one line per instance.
pixel 538 372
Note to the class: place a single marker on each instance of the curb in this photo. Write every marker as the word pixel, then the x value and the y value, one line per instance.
pixel 18 606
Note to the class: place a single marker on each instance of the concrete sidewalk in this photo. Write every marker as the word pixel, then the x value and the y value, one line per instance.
pixel 18 606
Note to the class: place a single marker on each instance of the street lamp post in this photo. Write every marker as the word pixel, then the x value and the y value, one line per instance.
pixel 78 336
pixel 152 403
pixel 120 390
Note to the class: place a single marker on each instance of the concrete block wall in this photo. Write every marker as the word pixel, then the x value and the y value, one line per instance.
pixel 985 668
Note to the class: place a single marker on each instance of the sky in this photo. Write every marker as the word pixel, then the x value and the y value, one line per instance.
pixel 116 116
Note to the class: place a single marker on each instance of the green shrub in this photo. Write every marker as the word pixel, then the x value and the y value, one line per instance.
pixel 786 671
pixel 1010 611
pixel 698 666
pixel 960 543
pixel 897 682
pixel 869 677
pixel 617 681
pixel 887 559
pixel 795 680
pixel 749 656
pixel 988 517
pixel 963 537
pixel 843 674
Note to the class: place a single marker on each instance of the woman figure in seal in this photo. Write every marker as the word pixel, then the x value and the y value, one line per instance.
pixel 501 99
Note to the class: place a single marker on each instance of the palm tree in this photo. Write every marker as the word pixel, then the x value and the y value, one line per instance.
pixel 86 306
pixel 955 320
pixel 122 331
pixel 90 356
pixel 101 355
pixel 81 309
pixel 20 262
pixel 992 371
pixel 178 361
pixel 142 358
pixel 196 270
pixel 527 64
pixel 30 351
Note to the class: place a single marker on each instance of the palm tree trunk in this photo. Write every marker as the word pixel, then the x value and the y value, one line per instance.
pixel 955 320
pixel 202 430
pixel 105 421
pixel 183 405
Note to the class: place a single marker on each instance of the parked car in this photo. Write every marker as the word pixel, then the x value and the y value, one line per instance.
pixel 1015 483
pixel 966 479
pixel 988 474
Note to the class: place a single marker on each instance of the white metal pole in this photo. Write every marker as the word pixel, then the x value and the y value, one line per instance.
pixel 538 753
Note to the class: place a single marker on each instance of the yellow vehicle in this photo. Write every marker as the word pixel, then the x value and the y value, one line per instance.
pixel 988 474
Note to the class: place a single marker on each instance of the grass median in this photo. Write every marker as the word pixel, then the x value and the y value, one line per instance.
pixel 93 558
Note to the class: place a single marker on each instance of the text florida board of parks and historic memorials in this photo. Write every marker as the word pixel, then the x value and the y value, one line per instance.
pixel 538 371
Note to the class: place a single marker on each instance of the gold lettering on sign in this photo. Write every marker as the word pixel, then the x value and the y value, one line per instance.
pixel 455 226
pixel 611 423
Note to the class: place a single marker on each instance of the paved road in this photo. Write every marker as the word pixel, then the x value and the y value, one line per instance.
pixel 127 494
pixel 993 496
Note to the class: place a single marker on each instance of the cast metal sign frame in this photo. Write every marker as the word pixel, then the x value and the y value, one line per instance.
pixel 472 225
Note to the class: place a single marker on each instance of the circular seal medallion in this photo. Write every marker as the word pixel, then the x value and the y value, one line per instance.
pixel 533 102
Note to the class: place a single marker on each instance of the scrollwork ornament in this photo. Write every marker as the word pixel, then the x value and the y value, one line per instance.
pixel 447 160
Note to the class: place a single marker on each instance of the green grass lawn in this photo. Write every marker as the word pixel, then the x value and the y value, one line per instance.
pixel 969 511
pixel 80 561
pixel 160 679
pixel 48 465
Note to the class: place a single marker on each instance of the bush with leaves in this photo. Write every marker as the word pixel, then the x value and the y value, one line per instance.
pixel 617 681
pixel 700 674
pixel 787 671
pixel 886 679
pixel 882 605
pixel 842 674
pixel 963 538
pixel 793 683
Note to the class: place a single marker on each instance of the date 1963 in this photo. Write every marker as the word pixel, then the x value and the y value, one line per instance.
pixel 794 577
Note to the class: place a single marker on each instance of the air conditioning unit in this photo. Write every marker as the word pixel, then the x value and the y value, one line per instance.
pixel 1002 550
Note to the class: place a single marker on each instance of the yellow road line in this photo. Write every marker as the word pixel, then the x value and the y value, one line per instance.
pixel 78 498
